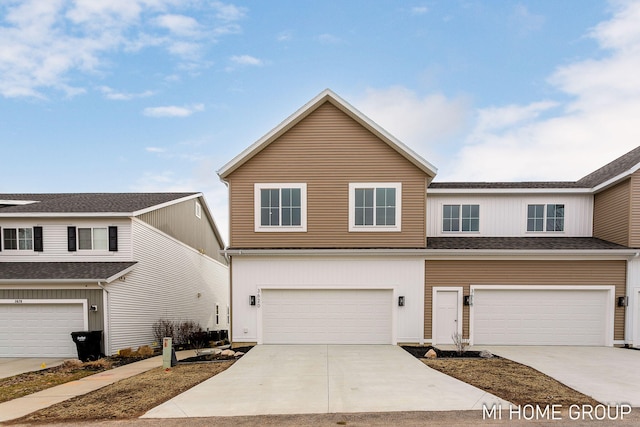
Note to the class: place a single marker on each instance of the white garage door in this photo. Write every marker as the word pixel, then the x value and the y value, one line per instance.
pixel 540 317
pixel 39 330
pixel 327 316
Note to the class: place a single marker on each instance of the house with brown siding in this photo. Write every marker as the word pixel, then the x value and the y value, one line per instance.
pixel 338 234
pixel 109 262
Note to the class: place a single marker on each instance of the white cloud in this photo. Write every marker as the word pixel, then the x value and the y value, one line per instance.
pixel 172 111
pixel 45 42
pixel 156 150
pixel 114 95
pixel 425 123
pixel 525 21
pixel 246 60
pixel 419 10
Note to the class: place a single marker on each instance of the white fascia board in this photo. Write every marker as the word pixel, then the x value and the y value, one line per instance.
pixel 327 252
pixel 119 274
pixel 514 191
pixel 165 204
pixel 306 109
pixel 17 202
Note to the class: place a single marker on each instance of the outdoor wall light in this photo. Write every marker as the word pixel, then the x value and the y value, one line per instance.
pixel 252 300
pixel 401 301
pixel 623 301
pixel 93 308
pixel 468 300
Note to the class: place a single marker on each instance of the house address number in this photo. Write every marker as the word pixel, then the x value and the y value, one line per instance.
pixel 18 301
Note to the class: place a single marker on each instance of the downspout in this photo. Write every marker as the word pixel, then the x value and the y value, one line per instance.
pixel 106 319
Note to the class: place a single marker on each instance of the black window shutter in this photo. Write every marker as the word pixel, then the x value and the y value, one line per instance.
pixel 71 239
pixel 113 239
pixel 0 238
pixel 37 239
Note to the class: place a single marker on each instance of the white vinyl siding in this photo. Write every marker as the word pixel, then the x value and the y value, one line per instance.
pixel 161 287
pixel 54 236
pixel 253 274
pixel 506 215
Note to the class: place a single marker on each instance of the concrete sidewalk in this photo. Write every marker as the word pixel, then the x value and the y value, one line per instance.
pixel 34 402
pixel 304 379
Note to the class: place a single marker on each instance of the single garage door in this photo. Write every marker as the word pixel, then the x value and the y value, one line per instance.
pixel 540 317
pixel 39 330
pixel 327 316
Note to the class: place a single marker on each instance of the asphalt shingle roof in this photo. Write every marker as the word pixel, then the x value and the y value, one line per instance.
pixel 91 271
pixel 87 202
pixel 506 185
pixel 613 169
pixel 521 243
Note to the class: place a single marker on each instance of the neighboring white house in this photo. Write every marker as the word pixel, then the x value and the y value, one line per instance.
pixel 115 262
pixel 339 234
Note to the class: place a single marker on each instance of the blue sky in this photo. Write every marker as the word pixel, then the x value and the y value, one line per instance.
pixel 156 95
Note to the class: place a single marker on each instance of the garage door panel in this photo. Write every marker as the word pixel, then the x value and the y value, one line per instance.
pixel 39 330
pixel 326 316
pixel 540 317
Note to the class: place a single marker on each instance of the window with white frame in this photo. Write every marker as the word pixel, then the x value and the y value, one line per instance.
pixel 96 239
pixel 280 207
pixel 375 206
pixel 548 217
pixel 198 210
pixel 465 218
pixel 18 239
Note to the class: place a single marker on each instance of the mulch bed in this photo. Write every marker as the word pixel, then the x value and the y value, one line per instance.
pixel 215 357
pixel 420 351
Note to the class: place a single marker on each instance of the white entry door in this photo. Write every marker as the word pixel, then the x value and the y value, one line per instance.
pixel 446 321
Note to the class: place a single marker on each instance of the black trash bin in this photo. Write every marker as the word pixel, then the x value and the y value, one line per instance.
pixel 88 344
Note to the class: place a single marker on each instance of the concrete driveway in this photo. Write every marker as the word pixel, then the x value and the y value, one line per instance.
pixel 608 374
pixel 10 366
pixel 306 379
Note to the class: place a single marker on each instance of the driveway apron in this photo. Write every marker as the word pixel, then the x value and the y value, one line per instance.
pixel 608 374
pixel 10 366
pixel 299 379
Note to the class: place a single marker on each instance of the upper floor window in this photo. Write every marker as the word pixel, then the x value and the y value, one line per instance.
pixel 93 239
pixel 280 207
pixel 198 211
pixel 545 217
pixel 375 206
pixel 20 239
pixel 464 218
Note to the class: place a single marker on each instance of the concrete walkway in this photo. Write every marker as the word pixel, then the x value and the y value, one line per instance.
pixel 305 379
pixel 608 374
pixel 34 402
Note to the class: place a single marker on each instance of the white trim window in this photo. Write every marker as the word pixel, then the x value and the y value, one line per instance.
pixel 375 206
pixel 280 207
pixel 18 238
pixel 96 239
pixel 198 211
pixel 456 218
pixel 548 218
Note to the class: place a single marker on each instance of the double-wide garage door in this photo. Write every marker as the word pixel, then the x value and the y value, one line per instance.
pixel 327 316
pixel 39 330
pixel 541 317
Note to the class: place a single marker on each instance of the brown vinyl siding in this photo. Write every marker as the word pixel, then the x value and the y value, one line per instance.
pixel 634 211
pixel 515 272
pixel 611 209
pixel 93 297
pixel 327 151
pixel 180 222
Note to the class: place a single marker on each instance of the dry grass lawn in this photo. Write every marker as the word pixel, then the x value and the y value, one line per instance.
pixel 130 397
pixel 511 381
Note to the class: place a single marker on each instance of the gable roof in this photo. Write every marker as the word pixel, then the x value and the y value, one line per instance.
pixel 327 96
pixel 624 165
pixel 118 204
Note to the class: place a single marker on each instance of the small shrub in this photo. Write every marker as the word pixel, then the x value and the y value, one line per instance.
pixel 125 352
pixel 164 328
pixel 98 365
pixel 460 343
pixel 69 366
pixel 144 351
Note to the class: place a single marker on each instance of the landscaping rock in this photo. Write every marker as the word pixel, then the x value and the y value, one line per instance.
pixel 486 354
pixel 238 354
pixel 229 353
pixel 431 354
